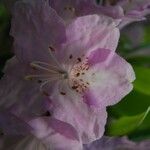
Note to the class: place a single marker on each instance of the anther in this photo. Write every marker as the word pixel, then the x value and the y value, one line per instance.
pixel 62 93
pixel 51 48
pixel 70 56
pixel 47 114
pixel 45 93
pixel 79 59
pixel 78 74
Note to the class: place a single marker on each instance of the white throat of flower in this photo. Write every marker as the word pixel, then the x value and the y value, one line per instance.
pixel 45 73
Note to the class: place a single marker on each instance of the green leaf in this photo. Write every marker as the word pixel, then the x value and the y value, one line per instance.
pixel 124 45
pixel 139 60
pixel 126 125
pixel 135 99
pixel 146 34
pixel 142 82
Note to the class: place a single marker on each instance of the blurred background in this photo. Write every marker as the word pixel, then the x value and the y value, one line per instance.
pixel 130 117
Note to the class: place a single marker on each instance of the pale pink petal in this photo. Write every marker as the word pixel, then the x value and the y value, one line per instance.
pixel 89 122
pixel 69 9
pixel 134 11
pixel 18 95
pixel 93 31
pixel 111 78
pixel 35 26
pixel 56 134
pixel 68 106
pixel 85 34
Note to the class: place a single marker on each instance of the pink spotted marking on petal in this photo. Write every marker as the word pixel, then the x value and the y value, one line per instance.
pixel 77 80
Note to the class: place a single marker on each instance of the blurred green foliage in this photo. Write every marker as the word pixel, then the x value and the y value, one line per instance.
pixel 127 117
pixel 124 117
pixel 5 39
pixel 142 83
pixel 126 124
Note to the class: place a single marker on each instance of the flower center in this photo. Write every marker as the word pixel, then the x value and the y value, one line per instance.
pixel 45 73
pixel 78 77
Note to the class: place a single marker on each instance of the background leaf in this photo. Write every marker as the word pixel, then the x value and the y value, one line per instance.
pixel 142 83
pixel 126 124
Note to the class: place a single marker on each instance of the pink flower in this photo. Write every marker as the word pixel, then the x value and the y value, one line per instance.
pixel 69 9
pixel 134 10
pixel 122 11
pixel 116 143
pixel 63 76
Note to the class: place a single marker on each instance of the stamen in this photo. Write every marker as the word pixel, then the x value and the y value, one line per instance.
pixel 49 72
pixel 46 82
pixel 46 64
pixel 54 58
pixel 30 77
pixel 42 68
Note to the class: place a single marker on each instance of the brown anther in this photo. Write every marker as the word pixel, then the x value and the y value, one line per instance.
pixel 45 93
pixel 47 114
pixel 62 93
pixel 70 57
pixel 78 74
pixel 79 59
pixel 87 68
pixel 74 87
pixel 51 48
pixel 39 81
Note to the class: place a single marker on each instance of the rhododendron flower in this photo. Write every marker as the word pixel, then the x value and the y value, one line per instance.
pixel 63 75
pixel 17 134
pixel 134 10
pixel 117 143
pixel 69 9
pixel 122 11
pixel 105 143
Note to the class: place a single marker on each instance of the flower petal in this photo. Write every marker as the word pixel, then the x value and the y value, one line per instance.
pixel 19 96
pixel 69 9
pixel 134 11
pixel 11 125
pixel 68 106
pixel 93 31
pixel 35 27
pixel 56 134
pixel 111 78
pixel 112 143
pixel 88 33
